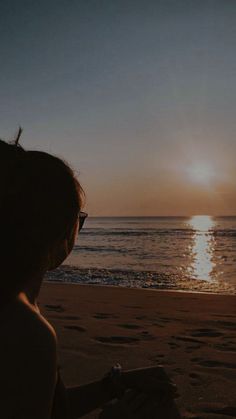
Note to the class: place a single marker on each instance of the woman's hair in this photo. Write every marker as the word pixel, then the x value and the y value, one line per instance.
pixel 40 199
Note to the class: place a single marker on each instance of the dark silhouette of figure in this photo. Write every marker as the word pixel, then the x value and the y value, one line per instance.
pixel 40 214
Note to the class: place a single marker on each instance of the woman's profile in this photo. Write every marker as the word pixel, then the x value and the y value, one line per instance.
pixel 41 204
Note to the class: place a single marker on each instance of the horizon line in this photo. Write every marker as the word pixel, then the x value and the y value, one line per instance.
pixel 161 216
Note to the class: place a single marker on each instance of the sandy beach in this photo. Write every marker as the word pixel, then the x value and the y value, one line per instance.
pixel 192 335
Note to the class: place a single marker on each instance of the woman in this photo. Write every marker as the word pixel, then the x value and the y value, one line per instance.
pixel 40 215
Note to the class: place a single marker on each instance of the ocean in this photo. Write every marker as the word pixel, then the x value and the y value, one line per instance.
pixel 182 253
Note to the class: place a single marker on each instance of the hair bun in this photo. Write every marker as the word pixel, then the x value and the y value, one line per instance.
pixel 9 151
pixel 4 147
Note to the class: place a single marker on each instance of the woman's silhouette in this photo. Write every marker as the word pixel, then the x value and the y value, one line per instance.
pixel 40 216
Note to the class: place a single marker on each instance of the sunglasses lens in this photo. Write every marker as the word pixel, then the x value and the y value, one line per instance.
pixel 81 223
pixel 82 217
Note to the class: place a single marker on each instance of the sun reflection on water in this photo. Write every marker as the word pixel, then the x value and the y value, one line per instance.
pixel 203 247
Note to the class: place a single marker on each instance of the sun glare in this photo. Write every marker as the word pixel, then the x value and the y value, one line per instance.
pixel 203 247
pixel 202 223
pixel 201 174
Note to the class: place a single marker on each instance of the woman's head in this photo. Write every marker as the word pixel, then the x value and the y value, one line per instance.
pixel 40 200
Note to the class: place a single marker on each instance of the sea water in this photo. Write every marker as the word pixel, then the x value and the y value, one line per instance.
pixel 187 253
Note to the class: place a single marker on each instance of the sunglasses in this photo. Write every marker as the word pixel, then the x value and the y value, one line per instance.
pixel 82 216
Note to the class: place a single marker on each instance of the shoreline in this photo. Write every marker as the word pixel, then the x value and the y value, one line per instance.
pixel 137 280
pixel 54 281
pixel 193 335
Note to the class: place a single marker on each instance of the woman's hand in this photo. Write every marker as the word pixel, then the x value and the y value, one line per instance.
pixel 152 381
pixel 133 405
pixel 136 405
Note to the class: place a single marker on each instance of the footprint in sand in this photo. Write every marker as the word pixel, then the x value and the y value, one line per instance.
pixel 173 345
pixel 129 326
pixel 138 307
pixel 194 375
pixel 192 348
pixel 70 317
pixel 195 359
pixel 141 317
pixel 187 339
pixel 232 316
pixel 165 319
pixel 194 343
pixel 59 317
pixel 102 316
pixel 145 335
pixel 77 328
pixel 157 358
pixel 179 371
pixel 209 333
pixel 214 364
pixel 226 325
pixel 125 339
pixel 157 324
pixel 52 307
pixel 196 379
pixel 117 339
pixel 225 347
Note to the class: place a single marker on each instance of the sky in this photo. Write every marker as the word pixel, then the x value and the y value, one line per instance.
pixel 138 96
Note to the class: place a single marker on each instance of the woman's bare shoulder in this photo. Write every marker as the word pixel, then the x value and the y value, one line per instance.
pixel 24 328
pixel 29 352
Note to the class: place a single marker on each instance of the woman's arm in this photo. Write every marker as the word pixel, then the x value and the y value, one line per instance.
pixel 151 381
pixel 35 373
pixel 83 399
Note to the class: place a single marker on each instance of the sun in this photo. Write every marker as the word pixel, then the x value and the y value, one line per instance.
pixel 202 174
pixel 202 223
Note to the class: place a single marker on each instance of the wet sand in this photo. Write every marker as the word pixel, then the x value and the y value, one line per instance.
pixel 192 335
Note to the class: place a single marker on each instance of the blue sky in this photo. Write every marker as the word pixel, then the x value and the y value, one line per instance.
pixel 139 96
